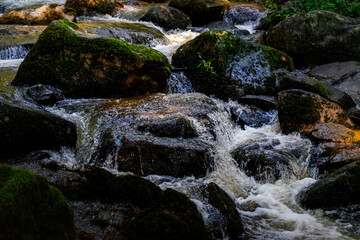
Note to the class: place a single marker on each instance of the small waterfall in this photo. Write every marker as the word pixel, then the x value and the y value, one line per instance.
pixel 14 52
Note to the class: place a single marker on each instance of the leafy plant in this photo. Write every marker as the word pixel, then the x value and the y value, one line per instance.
pixel 206 65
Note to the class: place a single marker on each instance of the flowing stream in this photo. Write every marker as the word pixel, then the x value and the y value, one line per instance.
pixel 269 209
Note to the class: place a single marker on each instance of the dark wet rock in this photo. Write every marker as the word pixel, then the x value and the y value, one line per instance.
pixel 264 162
pixel 177 127
pixel 32 209
pixel 132 32
pixel 225 26
pixel 167 17
pixel 333 132
pixel 298 80
pixel 126 207
pixel 344 76
pixel 156 135
pixel 317 37
pixel 92 7
pixel 349 215
pixel 340 188
pixel 2 9
pixel 201 12
pixel 330 156
pixel 223 202
pixel 220 63
pixel 85 66
pixel 38 15
pixel 24 129
pixel 44 95
pixel 239 14
pixel 250 116
pixel 265 103
pixel 354 115
pixel 300 111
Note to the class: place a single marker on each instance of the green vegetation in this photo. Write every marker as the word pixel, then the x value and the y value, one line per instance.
pixel 32 209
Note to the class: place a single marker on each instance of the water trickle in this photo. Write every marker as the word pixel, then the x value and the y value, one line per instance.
pixel 14 52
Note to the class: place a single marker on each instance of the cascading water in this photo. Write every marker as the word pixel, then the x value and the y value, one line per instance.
pixel 269 209
pixel 14 52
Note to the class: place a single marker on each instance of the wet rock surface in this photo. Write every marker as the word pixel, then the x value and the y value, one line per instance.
pixel 300 111
pixel 26 129
pixel 318 37
pixel 45 95
pixel 220 63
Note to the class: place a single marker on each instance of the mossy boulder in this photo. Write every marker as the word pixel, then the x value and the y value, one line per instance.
pixel 92 7
pixel 298 80
pixel 38 15
pixel 32 209
pixel 220 63
pixel 201 12
pixel 167 17
pixel 82 65
pixel 318 37
pixel 340 188
pixel 300 111
pixel 24 129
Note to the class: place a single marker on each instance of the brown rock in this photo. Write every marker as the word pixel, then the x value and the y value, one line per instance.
pixel 37 16
pixel 333 132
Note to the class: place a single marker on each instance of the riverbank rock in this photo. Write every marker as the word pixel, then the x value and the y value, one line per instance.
pixel 300 111
pixel 92 7
pixel 330 156
pixel 340 188
pixel 201 12
pixel 132 32
pixel 220 63
pixel 298 80
pixel 317 37
pixel 344 76
pixel 223 202
pixel 333 132
pixel 31 209
pixel 24 129
pixel 85 66
pixel 125 207
pixel 37 16
pixel 158 136
pixel 167 18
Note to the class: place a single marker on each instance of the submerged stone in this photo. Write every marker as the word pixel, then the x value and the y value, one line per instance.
pixel 82 65
pixel 220 63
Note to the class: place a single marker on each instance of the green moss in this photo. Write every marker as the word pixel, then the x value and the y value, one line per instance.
pixel 340 188
pixel 85 66
pixel 31 209
pixel 297 109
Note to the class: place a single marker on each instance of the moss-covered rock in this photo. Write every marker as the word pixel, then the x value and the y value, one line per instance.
pixel 167 17
pixel 340 188
pixel 24 129
pixel 222 64
pixel 85 66
pixel 92 6
pixel 300 111
pixel 201 12
pixel 317 37
pixel 38 15
pixel 298 80
pixel 32 209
